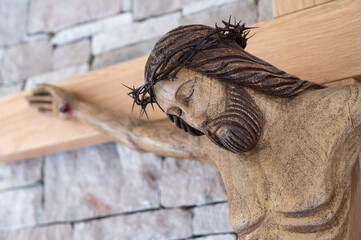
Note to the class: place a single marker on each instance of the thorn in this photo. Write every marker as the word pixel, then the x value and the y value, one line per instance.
pixel 128 87
pixel 159 106
pixel 146 114
pixel 131 113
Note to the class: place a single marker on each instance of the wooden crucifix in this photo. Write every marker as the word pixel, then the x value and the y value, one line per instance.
pixel 285 147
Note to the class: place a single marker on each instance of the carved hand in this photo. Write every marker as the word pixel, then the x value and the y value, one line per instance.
pixel 50 99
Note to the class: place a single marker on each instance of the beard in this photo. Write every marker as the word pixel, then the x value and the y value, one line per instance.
pixel 239 127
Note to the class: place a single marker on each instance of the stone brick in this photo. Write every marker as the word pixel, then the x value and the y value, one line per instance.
pixel 145 9
pixel 134 33
pixel 97 181
pixel 26 60
pixel 21 173
pixel 185 183
pixel 1 77
pixel 218 237
pixel 1 56
pixel 55 76
pixel 19 208
pixel 55 232
pixel 123 54
pixel 9 90
pixel 53 15
pixel 244 10
pixel 198 6
pixel 160 225
pixel 264 10
pixel 211 219
pixel 36 37
pixel 12 21
pixel 127 5
pixel 72 54
pixel 88 29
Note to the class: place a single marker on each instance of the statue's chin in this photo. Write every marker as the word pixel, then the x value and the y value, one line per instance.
pixel 231 137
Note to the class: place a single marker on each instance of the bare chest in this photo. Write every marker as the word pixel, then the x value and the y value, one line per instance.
pixel 291 191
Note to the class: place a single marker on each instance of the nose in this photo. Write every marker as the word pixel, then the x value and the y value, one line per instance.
pixel 175 111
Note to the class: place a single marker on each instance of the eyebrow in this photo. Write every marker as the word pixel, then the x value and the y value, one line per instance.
pixel 181 87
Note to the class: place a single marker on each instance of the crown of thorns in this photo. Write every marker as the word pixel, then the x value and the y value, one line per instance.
pixel 144 94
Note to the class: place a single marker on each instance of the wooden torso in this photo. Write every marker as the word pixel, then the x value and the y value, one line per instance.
pixel 296 184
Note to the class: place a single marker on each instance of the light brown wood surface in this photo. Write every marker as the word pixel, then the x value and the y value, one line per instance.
pixel 314 46
pixel 355 208
pixel 282 7
pixel 355 205
pixel 343 82
pixel 319 44
pixel 26 133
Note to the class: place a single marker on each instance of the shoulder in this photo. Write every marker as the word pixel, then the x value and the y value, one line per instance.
pixel 354 92
pixel 327 99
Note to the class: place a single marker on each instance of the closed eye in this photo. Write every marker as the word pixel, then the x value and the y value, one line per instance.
pixel 185 91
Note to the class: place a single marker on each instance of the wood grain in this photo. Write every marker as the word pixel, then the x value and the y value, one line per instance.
pixel 320 44
pixel 282 7
pixel 343 82
pixel 355 205
pixel 25 133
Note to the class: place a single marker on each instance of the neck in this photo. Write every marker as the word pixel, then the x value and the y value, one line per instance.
pixel 272 108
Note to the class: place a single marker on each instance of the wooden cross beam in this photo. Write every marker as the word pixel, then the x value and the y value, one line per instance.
pixel 320 44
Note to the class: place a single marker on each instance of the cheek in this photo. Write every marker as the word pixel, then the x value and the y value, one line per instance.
pixel 164 102
pixel 164 94
pixel 210 100
pixel 207 109
pixel 191 119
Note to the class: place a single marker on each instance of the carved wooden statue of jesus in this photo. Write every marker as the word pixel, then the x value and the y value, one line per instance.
pixel 285 147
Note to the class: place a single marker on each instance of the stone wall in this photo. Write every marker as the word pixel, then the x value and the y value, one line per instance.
pixel 105 191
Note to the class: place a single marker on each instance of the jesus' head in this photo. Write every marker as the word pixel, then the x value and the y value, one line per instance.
pixel 199 76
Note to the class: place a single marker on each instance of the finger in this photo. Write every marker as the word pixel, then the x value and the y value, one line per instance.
pixel 45 110
pixel 41 105
pixel 40 91
pixel 39 98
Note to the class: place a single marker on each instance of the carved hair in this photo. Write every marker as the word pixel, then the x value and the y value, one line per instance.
pixel 166 61
pixel 227 62
pixel 219 53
